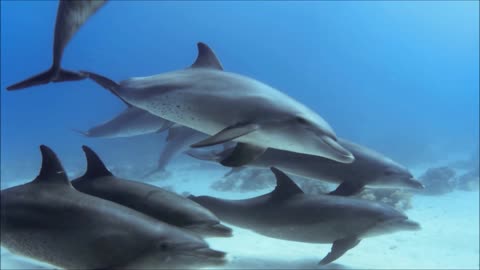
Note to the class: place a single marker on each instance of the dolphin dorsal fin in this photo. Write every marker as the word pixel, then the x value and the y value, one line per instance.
pixel 286 187
pixel 206 58
pixel 52 170
pixel 95 166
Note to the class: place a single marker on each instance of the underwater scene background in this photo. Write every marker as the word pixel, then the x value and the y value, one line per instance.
pixel 398 77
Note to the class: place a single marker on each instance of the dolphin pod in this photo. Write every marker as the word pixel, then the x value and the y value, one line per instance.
pixel 100 221
pixel 151 200
pixel 49 220
pixel 71 15
pixel 288 213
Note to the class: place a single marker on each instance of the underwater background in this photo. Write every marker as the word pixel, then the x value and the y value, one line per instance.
pixel 399 77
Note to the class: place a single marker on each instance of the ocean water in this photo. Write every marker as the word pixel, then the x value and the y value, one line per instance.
pixel 398 77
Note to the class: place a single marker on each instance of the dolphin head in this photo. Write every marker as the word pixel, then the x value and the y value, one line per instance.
pixel 392 174
pixel 179 249
pixel 316 137
pixel 393 224
pixel 211 229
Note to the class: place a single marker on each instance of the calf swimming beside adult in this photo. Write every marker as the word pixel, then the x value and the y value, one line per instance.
pixel 288 213
pixel 230 106
pixel 48 220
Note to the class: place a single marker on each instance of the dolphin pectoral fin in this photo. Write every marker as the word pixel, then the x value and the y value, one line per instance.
pixel 243 154
pixel 347 189
pixel 339 248
pixel 51 75
pixel 227 134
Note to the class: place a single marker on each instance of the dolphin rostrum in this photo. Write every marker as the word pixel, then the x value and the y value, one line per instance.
pixel 370 168
pixel 230 106
pixel 71 15
pixel 148 199
pixel 131 122
pixel 288 213
pixel 48 220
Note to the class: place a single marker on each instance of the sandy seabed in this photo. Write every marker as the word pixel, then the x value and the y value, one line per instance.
pixel 449 238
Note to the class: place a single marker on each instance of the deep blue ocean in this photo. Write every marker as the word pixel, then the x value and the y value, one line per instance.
pixel 401 77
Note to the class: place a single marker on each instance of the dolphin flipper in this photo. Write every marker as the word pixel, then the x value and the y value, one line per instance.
pixel 243 154
pixel 227 134
pixel 347 189
pixel 339 248
pixel 51 75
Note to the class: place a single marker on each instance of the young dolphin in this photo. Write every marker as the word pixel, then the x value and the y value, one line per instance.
pixel 370 168
pixel 71 15
pixel 148 199
pixel 131 122
pixel 288 213
pixel 230 106
pixel 48 220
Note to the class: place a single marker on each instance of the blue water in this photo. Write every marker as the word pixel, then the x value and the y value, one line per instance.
pixel 400 77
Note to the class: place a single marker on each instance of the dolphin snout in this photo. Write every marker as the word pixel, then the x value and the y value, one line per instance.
pixel 337 152
pixel 410 225
pixel 413 183
pixel 221 230
pixel 214 257
pixel 211 230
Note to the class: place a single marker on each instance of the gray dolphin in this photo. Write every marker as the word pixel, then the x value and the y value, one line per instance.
pixel 71 15
pixel 230 106
pixel 148 199
pixel 130 122
pixel 48 220
pixel 370 168
pixel 288 213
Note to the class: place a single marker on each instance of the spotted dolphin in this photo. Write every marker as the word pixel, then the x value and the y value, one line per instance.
pixel 288 213
pixel 370 168
pixel 229 106
pixel 148 199
pixel 71 15
pixel 50 221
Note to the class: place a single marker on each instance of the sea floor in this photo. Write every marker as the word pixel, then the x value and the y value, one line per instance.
pixel 449 238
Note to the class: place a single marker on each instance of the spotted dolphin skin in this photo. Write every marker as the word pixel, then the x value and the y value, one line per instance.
pixel 148 199
pixel 288 213
pixel 49 221
pixel 71 15
pixel 229 106
pixel 370 168
pixel 131 122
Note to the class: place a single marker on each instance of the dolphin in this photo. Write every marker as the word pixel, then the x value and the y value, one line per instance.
pixel 229 106
pixel 288 213
pixel 49 221
pixel 370 168
pixel 148 199
pixel 130 122
pixel 71 15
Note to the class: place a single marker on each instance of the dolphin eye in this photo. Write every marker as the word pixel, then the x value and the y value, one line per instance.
pixel 164 246
pixel 301 120
pixel 388 173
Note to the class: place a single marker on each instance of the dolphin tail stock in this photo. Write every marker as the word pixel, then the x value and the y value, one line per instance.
pixel 106 83
pixel 51 75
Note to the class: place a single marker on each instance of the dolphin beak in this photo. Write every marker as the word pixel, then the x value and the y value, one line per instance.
pixel 221 230
pixel 211 230
pixel 213 257
pixel 416 184
pixel 410 225
pixel 338 152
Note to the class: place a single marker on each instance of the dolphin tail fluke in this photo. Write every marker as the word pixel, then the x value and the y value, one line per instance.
pixel 339 248
pixel 51 75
